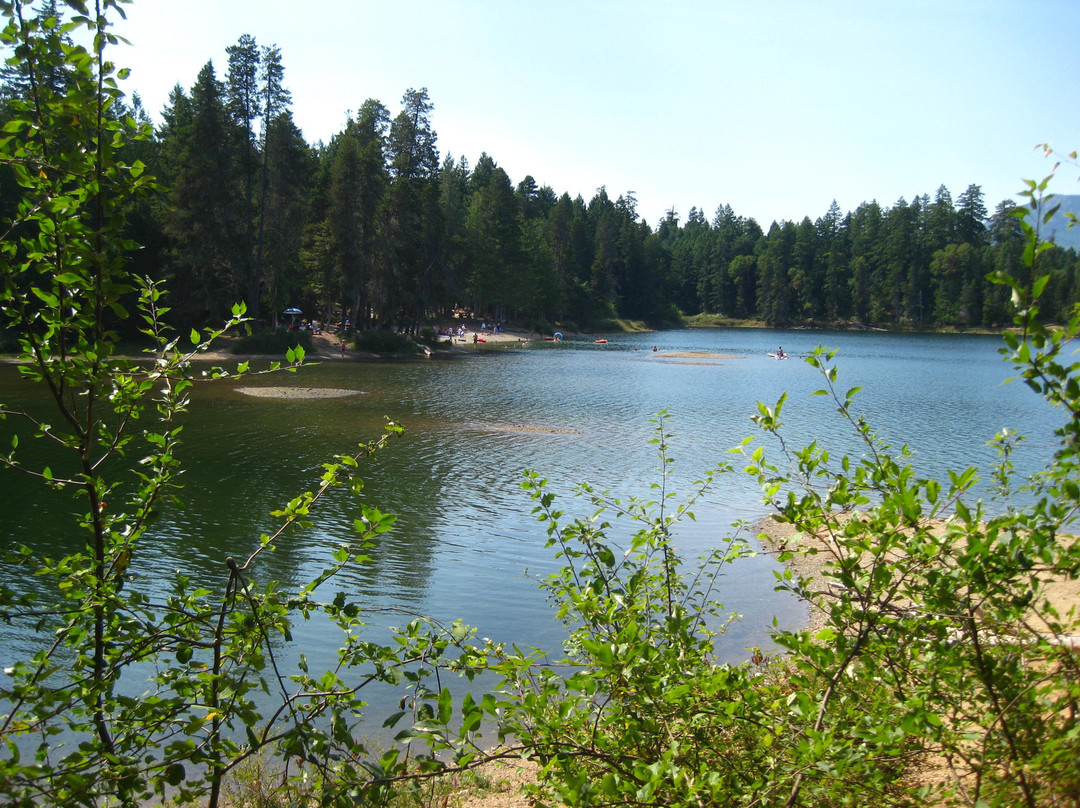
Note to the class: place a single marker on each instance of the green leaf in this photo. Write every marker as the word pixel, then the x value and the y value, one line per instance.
pixel 392 719
pixel 174 774
pixel 1038 286
pixel 446 706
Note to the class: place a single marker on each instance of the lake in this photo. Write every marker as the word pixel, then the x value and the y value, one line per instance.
pixel 574 411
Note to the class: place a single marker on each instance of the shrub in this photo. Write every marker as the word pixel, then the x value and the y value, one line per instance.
pixel 541 326
pixel 430 337
pixel 273 341
pixel 939 639
pixel 8 340
pixel 384 342
pixel 206 651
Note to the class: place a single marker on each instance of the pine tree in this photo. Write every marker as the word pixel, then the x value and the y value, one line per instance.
pixel 204 231
pixel 410 280
pixel 971 217
pixel 242 96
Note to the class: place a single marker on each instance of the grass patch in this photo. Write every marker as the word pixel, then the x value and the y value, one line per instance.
pixel 615 325
pixel 720 321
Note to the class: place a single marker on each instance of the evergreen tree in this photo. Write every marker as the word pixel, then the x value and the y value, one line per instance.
pixel 837 283
pixel 540 292
pixel 901 282
pixel 743 272
pixel 865 228
pixel 284 194
pixel 280 179
pixel 23 78
pixel 727 239
pixel 940 229
pixel 774 293
pixel 1007 239
pixel 528 196
pixel 395 238
pixel 559 238
pixel 205 236
pixel 413 155
pixel 805 280
pixel 413 276
pixel 639 283
pixel 953 270
pixel 358 187
pixel 971 217
pixel 481 173
pixel 242 99
pixel 453 205
pixel 494 227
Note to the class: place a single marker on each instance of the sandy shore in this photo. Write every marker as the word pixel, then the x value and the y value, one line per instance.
pixel 328 346
pixel 776 537
pixel 1061 592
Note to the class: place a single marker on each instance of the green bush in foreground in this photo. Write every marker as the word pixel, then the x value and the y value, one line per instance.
pixel 638 709
pixel 204 654
pixel 943 673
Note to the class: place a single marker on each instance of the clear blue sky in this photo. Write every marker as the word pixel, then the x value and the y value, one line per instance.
pixel 775 107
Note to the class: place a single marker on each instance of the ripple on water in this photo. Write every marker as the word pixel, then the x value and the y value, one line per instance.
pixel 465 532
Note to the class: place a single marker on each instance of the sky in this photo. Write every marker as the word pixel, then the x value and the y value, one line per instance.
pixel 774 107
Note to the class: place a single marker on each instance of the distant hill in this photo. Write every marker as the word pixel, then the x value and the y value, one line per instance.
pixel 1056 228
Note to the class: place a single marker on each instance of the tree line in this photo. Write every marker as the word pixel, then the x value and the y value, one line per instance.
pixel 376 227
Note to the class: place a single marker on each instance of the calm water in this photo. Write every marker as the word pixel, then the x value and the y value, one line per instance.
pixel 572 412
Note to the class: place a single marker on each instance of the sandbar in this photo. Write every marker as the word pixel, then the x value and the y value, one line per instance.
pixel 298 392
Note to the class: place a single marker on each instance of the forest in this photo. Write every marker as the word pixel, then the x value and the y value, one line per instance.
pixel 378 228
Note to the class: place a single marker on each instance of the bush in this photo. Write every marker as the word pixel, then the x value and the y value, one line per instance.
pixel 541 326
pixel 9 341
pixel 273 341
pixel 431 338
pixel 939 640
pixel 202 654
pixel 384 342
pixel 644 715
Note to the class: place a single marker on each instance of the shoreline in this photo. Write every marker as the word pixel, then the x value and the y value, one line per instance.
pixel 326 346
pixel 810 557
pixel 777 537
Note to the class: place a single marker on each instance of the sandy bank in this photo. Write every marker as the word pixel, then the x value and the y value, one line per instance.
pixel 1061 592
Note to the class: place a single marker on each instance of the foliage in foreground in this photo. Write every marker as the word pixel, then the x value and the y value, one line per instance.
pixel 202 656
pixel 943 673
pixel 938 637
